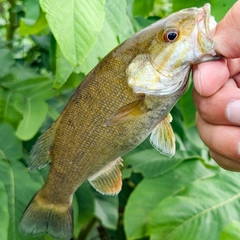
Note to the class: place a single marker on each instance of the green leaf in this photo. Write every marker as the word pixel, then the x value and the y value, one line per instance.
pixel 231 231
pixel 75 25
pixel 147 196
pixel 10 146
pixel 151 163
pixel 4 214
pixel 63 69
pixel 84 207
pixel 8 110
pixel 200 210
pixel 32 11
pixel 143 7
pixel 6 59
pixel 31 105
pixel 116 28
pixel 15 178
pixel 37 27
pixel 34 113
pixel 106 209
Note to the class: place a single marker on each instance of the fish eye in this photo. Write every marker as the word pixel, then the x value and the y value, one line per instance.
pixel 170 35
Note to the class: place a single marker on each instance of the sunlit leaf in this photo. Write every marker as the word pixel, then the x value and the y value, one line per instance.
pixel 75 25
pixel 116 28
pixel 63 69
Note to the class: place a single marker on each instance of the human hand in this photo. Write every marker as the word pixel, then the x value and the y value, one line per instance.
pixel 217 94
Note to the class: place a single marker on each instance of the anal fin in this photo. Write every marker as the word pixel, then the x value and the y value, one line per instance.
pixel 163 138
pixel 109 179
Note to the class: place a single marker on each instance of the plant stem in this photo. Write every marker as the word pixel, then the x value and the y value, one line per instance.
pixel 12 23
pixel 87 229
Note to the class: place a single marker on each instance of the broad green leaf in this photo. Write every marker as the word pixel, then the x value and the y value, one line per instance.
pixel 34 112
pixel 20 188
pixel 75 25
pixel 152 191
pixel 152 164
pixel 231 231
pixel 106 210
pixel 4 213
pixel 6 60
pixel 84 207
pixel 31 105
pixel 8 110
pixel 38 87
pixel 200 210
pixel 63 69
pixel 10 146
pixel 38 26
pixel 116 28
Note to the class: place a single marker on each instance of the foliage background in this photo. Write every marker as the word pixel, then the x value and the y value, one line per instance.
pixel 46 49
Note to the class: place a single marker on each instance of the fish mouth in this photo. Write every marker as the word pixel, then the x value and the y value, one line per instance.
pixel 206 25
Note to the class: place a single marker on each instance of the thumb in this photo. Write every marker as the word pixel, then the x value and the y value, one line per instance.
pixel 227 33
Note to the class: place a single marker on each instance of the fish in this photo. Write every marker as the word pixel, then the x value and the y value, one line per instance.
pixel 126 97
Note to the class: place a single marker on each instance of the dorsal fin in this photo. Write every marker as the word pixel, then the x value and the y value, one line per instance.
pixel 163 138
pixel 40 153
pixel 109 179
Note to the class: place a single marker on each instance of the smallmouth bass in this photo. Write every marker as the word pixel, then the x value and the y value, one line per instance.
pixel 127 96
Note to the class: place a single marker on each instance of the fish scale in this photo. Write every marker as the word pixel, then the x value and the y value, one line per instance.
pixel 128 95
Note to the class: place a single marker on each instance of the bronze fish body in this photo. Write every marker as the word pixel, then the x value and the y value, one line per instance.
pixel 128 95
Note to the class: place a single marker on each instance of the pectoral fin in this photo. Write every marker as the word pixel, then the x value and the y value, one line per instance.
pixel 128 112
pixel 162 137
pixel 109 179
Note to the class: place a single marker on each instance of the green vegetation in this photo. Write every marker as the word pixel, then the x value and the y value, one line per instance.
pixel 46 49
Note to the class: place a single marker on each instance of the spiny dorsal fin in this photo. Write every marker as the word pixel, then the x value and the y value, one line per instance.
pixel 109 179
pixel 127 112
pixel 40 153
pixel 163 138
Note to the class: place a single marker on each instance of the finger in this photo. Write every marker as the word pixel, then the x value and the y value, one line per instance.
pixel 209 77
pixel 225 163
pixel 221 108
pixel 224 140
pixel 234 66
pixel 227 33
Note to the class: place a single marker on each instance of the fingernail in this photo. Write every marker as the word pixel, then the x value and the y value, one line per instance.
pixel 233 112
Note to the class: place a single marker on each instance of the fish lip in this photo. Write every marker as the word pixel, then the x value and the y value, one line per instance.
pixel 203 15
